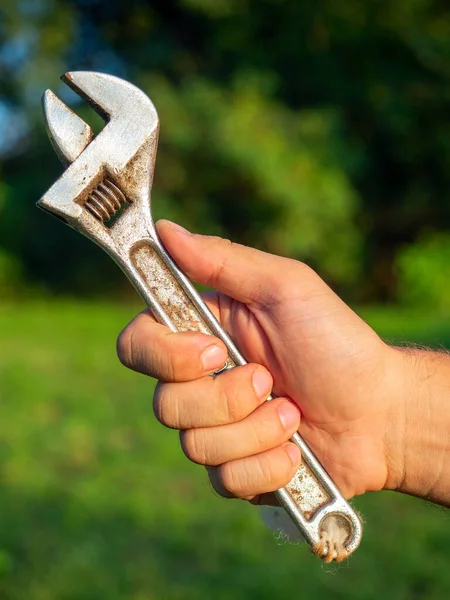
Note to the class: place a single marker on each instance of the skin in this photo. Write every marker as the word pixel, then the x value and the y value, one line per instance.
pixel 377 417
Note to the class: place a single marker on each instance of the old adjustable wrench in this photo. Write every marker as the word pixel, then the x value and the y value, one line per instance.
pixel 105 195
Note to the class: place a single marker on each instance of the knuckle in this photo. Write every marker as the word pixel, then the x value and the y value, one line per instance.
pixel 276 470
pixel 165 409
pixel 193 447
pixel 158 398
pixel 171 367
pixel 267 474
pixel 238 396
pixel 297 277
pixel 229 479
pixel 290 287
pixel 255 434
pixel 233 404
pixel 226 244
pixel 305 270
pixel 216 481
pixel 125 346
pixel 301 278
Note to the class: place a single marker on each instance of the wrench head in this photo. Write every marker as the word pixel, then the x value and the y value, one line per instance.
pixel 115 165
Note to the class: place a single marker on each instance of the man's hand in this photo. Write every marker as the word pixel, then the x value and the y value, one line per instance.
pixel 337 382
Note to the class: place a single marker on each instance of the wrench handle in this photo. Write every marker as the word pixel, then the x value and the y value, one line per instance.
pixel 310 497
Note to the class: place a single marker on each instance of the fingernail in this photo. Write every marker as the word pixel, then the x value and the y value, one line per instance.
pixel 213 357
pixel 262 383
pixel 178 228
pixel 294 453
pixel 288 414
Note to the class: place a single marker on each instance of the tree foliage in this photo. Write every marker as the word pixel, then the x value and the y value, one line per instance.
pixel 317 130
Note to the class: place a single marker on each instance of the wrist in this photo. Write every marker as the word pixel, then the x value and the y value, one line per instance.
pixel 417 448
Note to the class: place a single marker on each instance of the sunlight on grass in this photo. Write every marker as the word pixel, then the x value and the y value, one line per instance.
pixel 98 501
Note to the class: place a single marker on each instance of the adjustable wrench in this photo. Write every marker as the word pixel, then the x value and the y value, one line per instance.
pixel 105 195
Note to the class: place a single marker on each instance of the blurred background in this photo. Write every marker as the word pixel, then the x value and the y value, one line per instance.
pixel 316 130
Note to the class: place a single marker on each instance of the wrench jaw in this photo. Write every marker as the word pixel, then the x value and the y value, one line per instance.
pixel 93 196
pixel 68 133
pixel 115 100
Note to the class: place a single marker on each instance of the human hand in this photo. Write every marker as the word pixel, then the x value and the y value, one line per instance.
pixel 338 383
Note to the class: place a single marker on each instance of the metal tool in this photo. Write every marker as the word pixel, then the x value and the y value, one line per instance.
pixel 105 195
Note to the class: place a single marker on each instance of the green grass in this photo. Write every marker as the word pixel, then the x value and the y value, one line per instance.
pixel 98 502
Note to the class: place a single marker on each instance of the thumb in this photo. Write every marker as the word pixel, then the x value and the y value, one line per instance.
pixel 247 275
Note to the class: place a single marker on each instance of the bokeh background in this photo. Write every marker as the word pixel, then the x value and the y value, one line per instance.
pixel 316 130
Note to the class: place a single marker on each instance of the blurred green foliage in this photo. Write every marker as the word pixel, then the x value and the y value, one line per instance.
pixel 315 130
pixel 98 502
pixel 424 273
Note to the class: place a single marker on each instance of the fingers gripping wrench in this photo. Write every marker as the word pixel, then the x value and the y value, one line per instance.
pixel 105 195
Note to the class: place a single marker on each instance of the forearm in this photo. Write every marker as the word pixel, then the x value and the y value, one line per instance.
pixel 419 453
